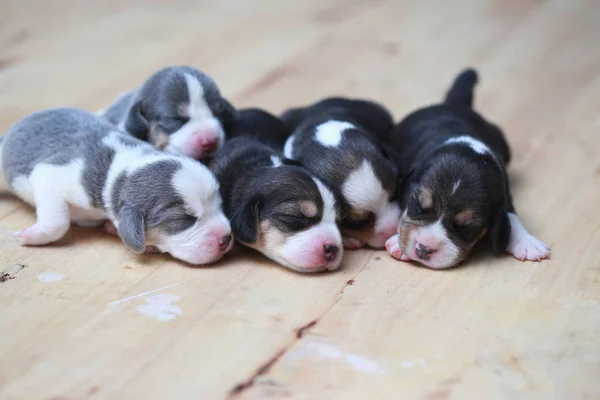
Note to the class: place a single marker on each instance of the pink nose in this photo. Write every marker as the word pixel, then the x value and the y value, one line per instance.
pixel 331 251
pixel 224 242
pixel 205 141
pixel 423 252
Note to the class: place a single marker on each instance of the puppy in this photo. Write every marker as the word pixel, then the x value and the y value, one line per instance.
pixel 265 127
pixel 179 110
pixel 457 189
pixel 74 166
pixel 277 208
pixel 373 117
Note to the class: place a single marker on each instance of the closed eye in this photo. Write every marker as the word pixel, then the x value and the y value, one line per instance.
pixel 294 222
pixel 359 224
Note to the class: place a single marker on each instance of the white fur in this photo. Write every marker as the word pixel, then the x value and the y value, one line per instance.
pixel 201 118
pixel 288 148
pixel 363 190
pixel 202 200
pixel 476 145
pixel 455 186
pixel 276 161
pixel 330 133
pixel 329 214
pixel 433 236
pixel 522 244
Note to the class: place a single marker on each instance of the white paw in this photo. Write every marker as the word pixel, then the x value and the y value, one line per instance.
pixel 36 236
pixel 392 246
pixel 351 243
pixel 528 248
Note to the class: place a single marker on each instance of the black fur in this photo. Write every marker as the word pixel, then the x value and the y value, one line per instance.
pixel 373 117
pixel 265 127
pixel 429 162
pixel 255 190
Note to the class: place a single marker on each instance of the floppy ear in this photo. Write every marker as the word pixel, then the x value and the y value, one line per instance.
pixel 244 221
pixel 499 231
pixel 131 229
pixel 290 161
pixel 228 116
pixel 137 124
pixel 403 181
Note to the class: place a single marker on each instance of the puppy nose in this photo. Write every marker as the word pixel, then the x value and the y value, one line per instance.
pixel 224 242
pixel 209 145
pixel 423 252
pixel 331 251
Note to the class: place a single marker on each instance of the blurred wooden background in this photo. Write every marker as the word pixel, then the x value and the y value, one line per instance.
pixel 86 319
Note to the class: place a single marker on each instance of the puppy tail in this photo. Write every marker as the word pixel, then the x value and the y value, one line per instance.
pixel 461 92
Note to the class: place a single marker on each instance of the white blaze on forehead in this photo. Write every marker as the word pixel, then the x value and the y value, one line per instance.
pixel 455 186
pixel 477 146
pixel 197 109
pixel 198 187
pixel 328 202
pixel 276 161
pixel 288 148
pixel 363 190
pixel 330 133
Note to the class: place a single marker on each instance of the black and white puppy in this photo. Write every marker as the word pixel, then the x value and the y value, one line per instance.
pixel 338 149
pixel 276 208
pixel 457 189
pixel 262 125
pixel 373 117
pixel 74 166
pixel 178 109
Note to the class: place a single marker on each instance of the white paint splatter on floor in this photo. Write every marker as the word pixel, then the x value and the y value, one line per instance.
pixel 49 277
pixel 159 307
pixel 330 351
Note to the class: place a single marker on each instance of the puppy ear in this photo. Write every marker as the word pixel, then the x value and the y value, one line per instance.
pixel 230 109
pixel 137 124
pixel 499 231
pixel 131 229
pixel 228 115
pixel 290 161
pixel 402 186
pixel 244 221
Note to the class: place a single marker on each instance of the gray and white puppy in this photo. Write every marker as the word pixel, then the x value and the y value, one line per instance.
pixel 178 109
pixel 74 166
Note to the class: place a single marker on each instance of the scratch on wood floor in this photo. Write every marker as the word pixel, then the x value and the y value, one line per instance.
pixel 114 303
pixel 11 273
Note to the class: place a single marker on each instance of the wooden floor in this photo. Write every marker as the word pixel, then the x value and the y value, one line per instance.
pixel 87 319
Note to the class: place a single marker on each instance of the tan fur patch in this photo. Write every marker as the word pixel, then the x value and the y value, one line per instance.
pixel 464 217
pixel 425 198
pixel 308 208
pixel 270 237
pixel 158 139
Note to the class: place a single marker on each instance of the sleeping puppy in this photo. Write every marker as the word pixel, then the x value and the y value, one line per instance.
pixel 373 117
pixel 350 160
pixel 277 208
pixel 74 166
pixel 265 127
pixel 178 109
pixel 457 189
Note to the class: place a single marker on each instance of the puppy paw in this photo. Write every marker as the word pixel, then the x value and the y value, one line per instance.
pixel 35 236
pixel 110 228
pixel 393 247
pixel 528 248
pixel 351 243
pixel 151 250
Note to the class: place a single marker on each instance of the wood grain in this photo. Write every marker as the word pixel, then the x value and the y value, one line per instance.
pixel 80 320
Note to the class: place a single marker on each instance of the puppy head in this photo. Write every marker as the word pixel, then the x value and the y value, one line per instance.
pixel 370 211
pixel 174 205
pixel 449 202
pixel 289 216
pixel 181 110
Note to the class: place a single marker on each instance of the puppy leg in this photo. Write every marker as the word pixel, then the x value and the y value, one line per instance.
pixel 392 245
pixel 351 243
pixel 53 219
pixel 522 244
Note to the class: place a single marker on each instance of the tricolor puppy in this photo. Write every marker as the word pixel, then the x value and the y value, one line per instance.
pixel 74 166
pixel 276 208
pixel 265 127
pixel 340 151
pixel 457 189
pixel 179 110
pixel 373 117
